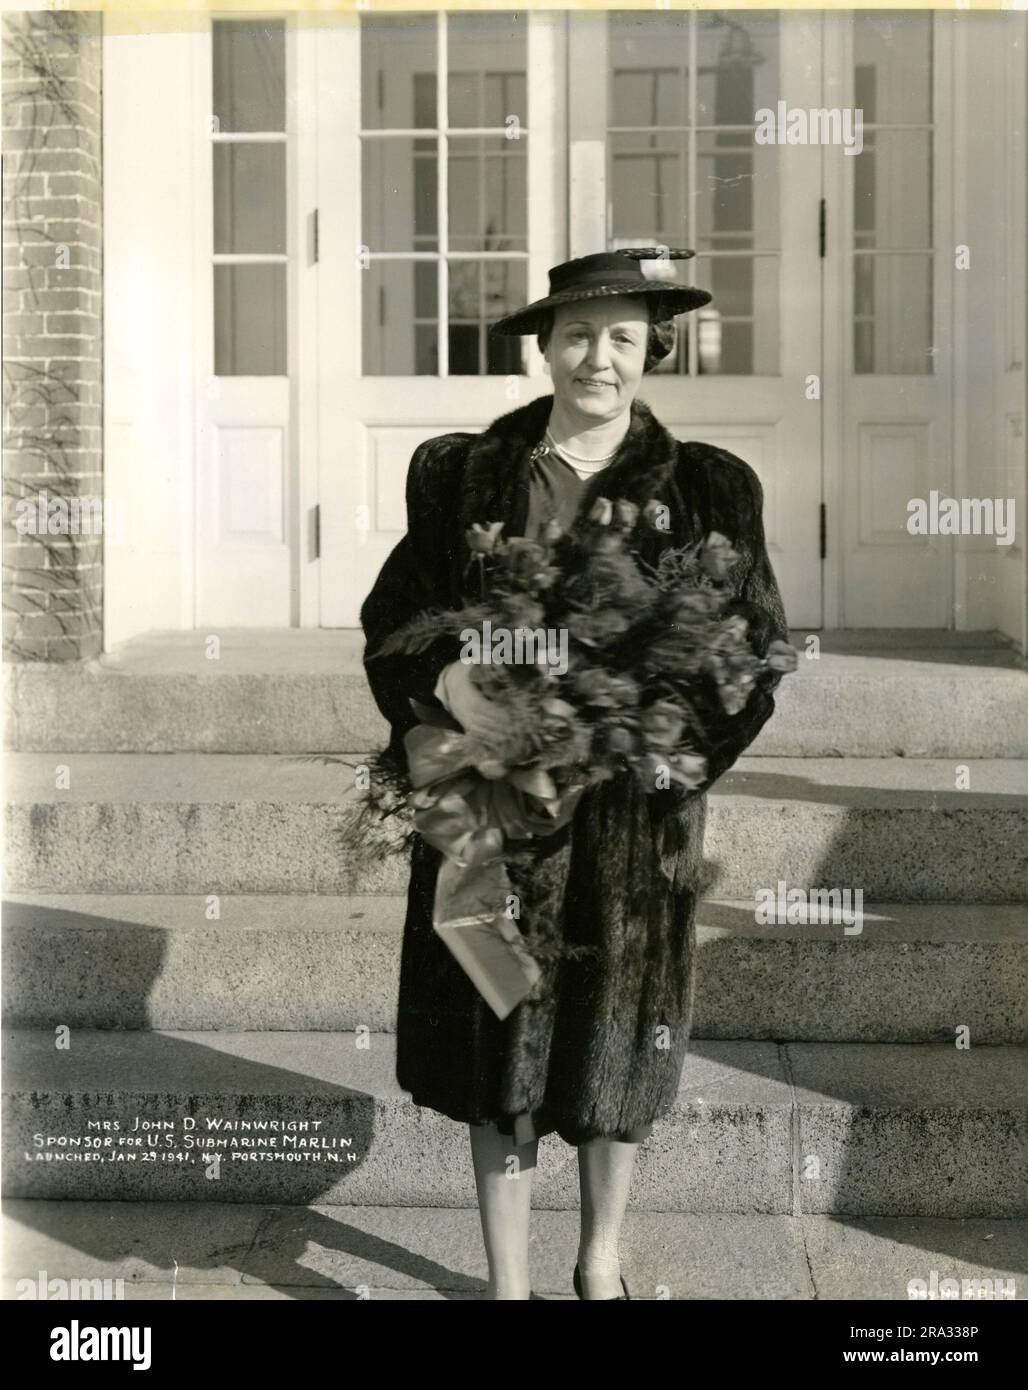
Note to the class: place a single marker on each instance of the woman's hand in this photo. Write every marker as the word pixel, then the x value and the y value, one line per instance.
pixel 476 714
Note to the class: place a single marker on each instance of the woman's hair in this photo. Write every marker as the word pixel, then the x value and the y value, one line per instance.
pixel 660 338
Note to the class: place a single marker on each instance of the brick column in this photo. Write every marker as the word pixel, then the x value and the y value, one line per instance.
pixel 52 330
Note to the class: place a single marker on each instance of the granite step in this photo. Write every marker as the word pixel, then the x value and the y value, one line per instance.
pixel 913 973
pixel 895 828
pixel 878 694
pixel 759 1128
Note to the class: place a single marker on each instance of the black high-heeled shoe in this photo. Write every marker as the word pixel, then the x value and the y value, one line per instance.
pixel 626 1297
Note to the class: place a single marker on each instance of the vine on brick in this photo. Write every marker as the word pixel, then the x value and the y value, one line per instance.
pixel 42 409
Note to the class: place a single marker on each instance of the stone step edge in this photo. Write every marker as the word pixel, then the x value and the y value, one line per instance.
pixel 317 779
pixel 886 923
pixel 727 1059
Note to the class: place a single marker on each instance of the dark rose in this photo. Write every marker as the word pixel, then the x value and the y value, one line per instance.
pixel 527 563
pixel 607 542
pixel 734 628
pixel 698 604
pixel 602 689
pixel 661 724
pixel 522 611
pixel 620 739
pixel 595 628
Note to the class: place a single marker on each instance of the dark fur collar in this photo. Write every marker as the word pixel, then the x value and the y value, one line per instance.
pixel 498 465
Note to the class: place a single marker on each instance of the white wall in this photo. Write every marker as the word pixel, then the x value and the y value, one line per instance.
pixel 993 465
pixel 148 335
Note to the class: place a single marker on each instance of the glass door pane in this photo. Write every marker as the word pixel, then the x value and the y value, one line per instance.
pixel 444 210
pixel 248 133
pixel 893 194
pixel 685 171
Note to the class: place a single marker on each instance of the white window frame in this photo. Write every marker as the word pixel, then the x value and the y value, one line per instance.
pixel 540 132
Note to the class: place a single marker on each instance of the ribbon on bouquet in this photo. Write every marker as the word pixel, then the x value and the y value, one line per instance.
pixel 470 816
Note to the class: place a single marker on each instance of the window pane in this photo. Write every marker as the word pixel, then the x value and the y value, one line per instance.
pixel 249 69
pixel 398 194
pixel 250 198
pixel 892 55
pixel 487 61
pixel 648 188
pixel 505 96
pixel 892 190
pixel 893 194
pixel 737 66
pixel 250 320
pixel 738 332
pixel 734 205
pixel 480 293
pixel 488 202
pixel 649 65
pixel 400 311
pixel 737 192
pixel 475 99
pixel 395 51
pixel 892 329
pixel 400 314
pixel 649 98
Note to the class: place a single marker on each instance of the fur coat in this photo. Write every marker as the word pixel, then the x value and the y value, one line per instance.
pixel 599 1043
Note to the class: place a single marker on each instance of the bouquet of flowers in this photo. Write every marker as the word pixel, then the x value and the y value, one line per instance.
pixel 601 664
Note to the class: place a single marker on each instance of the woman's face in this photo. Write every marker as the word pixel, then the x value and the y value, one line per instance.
pixel 596 353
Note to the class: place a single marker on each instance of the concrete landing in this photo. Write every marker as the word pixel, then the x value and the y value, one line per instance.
pixel 220 1252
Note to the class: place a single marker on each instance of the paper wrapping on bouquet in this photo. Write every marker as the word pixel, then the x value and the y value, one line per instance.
pixel 485 942
pixel 470 818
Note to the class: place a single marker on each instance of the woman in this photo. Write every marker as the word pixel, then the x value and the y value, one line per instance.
pixel 595 1051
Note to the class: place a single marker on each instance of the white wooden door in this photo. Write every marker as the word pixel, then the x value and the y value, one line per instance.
pixel 889 338
pixel 441 194
pixel 395 246
pixel 662 151
pixel 245 332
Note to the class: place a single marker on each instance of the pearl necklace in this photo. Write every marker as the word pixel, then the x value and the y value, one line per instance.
pixel 578 458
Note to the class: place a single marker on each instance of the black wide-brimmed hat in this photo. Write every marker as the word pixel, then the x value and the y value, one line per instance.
pixel 601 275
